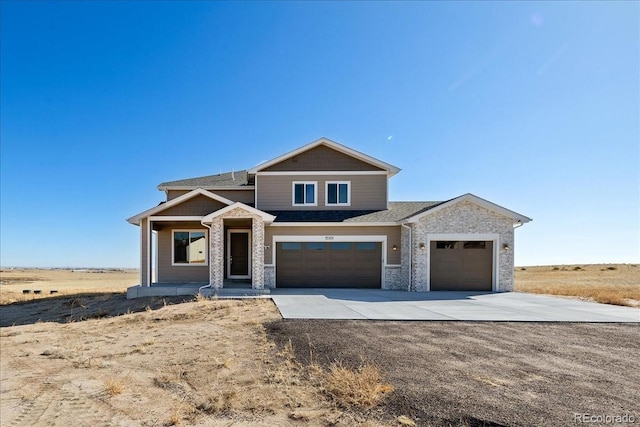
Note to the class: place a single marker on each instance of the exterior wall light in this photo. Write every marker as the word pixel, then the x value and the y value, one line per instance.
pixel 506 247
pixel 394 248
pixel 422 246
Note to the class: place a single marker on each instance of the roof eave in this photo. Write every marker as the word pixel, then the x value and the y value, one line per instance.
pixel 205 187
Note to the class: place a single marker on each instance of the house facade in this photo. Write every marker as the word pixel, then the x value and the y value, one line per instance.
pixel 319 216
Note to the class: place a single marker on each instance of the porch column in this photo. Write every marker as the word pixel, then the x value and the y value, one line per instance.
pixel 216 254
pixel 257 253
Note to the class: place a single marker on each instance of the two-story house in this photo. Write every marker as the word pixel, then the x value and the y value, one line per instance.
pixel 319 216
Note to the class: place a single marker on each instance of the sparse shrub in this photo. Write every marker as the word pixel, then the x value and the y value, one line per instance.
pixel 523 269
pixel 113 387
pixel 611 268
pixel 556 268
pixel 363 387
pixel 577 268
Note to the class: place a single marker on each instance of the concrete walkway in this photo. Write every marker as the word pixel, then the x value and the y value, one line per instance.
pixel 470 306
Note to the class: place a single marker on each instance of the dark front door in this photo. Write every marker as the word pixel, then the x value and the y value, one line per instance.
pixel 238 262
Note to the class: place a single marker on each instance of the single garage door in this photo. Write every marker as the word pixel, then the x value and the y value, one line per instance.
pixel 461 265
pixel 328 264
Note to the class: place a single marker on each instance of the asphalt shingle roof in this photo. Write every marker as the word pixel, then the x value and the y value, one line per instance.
pixel 228 179
pixel 397 212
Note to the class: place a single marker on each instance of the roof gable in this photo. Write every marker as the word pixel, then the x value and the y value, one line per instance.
pixel 178 200
pixel 340 158
pixel 516 217
pixel 268 218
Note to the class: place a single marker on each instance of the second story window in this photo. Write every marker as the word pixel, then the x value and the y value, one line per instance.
pixel 338 193
pixel 304 194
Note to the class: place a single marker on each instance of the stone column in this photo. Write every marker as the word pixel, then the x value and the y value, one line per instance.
pixel 216 254
pixel 257 253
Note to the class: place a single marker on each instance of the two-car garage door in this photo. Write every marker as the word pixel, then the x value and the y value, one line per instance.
pixel 328 264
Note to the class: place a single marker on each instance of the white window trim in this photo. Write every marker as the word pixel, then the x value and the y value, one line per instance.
pixel 206 247
pixel 326 193
pixel 305 183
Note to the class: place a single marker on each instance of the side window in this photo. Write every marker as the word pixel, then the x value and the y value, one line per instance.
pixel 338 193
pixel 189 247
pixel 304 194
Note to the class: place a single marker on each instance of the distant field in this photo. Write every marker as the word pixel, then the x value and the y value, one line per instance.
pixel 65 281
pixel 617 284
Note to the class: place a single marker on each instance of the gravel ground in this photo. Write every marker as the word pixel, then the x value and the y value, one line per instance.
pixel 485 373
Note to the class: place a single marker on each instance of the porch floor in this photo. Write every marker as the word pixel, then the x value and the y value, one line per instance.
pixel 230 289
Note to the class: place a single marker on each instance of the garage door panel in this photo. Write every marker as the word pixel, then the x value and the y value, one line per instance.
pixel 461 265
pixel 331 265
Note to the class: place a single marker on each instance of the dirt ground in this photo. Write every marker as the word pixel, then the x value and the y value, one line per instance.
pixel 206 363
pixel 484 373
pixel 86 356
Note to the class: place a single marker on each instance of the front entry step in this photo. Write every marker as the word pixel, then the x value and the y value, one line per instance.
pixel 234 293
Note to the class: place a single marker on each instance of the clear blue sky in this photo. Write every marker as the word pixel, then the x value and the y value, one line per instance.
pixel 532 105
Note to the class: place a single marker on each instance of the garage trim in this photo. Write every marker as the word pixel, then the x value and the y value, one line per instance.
pixel 329 239
pixel 494 237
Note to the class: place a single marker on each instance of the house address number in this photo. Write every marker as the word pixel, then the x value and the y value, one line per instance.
pixel 328 237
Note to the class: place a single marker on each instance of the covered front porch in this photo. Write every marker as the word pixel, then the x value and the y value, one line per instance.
pixel 230 289
pixel 182 254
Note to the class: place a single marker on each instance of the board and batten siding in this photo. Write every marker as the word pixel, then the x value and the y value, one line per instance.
pixel 321 158
pixel 275 192
pixel 392 233
pixel 243 196
pixel 168 273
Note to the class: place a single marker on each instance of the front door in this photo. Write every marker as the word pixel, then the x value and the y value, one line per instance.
pixel 238 258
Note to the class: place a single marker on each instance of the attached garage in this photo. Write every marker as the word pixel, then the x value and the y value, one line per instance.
pixel 461 265
pixel 328 264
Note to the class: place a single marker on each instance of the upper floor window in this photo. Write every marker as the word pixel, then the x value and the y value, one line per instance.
pixel 189 247
pixel 304 194
pixel 338 193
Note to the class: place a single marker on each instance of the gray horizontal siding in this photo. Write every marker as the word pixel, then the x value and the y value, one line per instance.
pixel 168 273
pixel 196 206
pixel 367 191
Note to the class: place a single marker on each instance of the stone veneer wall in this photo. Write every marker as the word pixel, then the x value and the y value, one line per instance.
pixel 393 279
pixel 216 257
pixel 464 218
pixel 269 276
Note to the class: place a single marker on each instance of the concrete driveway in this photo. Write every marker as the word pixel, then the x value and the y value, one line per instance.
pixel 470 306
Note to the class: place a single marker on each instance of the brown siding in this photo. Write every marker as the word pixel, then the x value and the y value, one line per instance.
pixel 322 158
pixel 392 233
pixel 367 191
pixel 172 194
pixel 168 273
pixel 199 205
pixel 244 196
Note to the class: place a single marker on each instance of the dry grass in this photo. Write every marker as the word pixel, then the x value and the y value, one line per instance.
pixel 62 282
pixel 617 284
pixel 364 387
pixel 113 387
